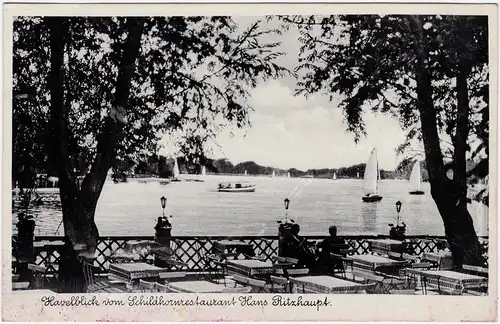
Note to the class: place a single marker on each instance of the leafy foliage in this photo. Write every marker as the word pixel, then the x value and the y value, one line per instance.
pixel 191 79
pixel 370 62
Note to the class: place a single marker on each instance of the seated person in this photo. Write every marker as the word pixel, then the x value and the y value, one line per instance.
pixel 331 244
pixel 298 247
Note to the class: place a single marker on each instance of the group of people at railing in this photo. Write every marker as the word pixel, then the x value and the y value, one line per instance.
pixel 315 256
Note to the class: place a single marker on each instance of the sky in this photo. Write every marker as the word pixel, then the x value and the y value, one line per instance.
pixel 293 131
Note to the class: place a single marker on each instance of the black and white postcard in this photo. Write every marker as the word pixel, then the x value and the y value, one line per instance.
pixel 250 162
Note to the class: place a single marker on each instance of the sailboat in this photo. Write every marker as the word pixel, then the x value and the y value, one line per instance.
pixel 371 179
pixel 288 175
pixel 202 175
pixel 274 174
pixel 176 172
pixel 334 176
pixel 246 173
pixel 416 180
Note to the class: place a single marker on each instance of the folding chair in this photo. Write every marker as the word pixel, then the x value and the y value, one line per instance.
pixel 297 272
pixel 369 277
pixel 282 283
pixel 293 261
pixel 402 292
pixel 217 267
pixel 39 279
pixel 93 286
pixel 161 288
pixel 172 276
pixel 478 271
pixel 257 285
pixel 240 280
pixel 239 290
pixel 146 286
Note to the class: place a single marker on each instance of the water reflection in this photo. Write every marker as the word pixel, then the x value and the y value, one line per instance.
pixel 369 215
pixel 47 214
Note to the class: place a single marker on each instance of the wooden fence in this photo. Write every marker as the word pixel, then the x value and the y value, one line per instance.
pixel 192 249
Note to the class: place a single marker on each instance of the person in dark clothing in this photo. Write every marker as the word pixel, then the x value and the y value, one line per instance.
pixel 24 247
pixel 332 244
pixel 298 247
pixel 291 241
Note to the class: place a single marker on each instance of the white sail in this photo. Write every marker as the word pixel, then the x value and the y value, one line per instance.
pixel 203 171
pixel 370 183
pixel 335 176
pixel 176 169
pixel 246 172
pixel 288 175
pixel 415 177
pixel 274 174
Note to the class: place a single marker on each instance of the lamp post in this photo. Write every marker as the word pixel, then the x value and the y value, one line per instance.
pixel 398 209
pixel 163 204
pixel 287 203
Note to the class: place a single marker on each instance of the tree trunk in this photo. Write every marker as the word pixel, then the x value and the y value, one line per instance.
pixel 449 198
pixel 79 204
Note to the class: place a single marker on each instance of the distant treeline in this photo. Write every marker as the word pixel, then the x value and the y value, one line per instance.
pixel 163 167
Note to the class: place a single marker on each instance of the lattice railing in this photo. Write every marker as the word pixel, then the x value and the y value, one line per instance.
pixel 192 250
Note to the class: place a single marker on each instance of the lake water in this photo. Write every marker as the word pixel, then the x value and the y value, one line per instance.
pixel 198 209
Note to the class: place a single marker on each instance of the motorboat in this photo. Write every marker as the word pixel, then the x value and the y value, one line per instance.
pixel 237 187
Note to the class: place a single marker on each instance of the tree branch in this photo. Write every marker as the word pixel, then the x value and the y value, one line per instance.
pixel 433 154
pixel 108 138
pixel 58 27
pixel 462 128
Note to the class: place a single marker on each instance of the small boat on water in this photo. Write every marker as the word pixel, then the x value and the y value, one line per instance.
pixel 237 187
pixel 371 179
pixel 274 174
pixel 416 180
pixel 334 176
pixel 288 175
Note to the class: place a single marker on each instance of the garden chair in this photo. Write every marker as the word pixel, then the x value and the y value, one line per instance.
pixel 146 286
pixel 469 292
pixel 241 280
pixel 293 261
pixel 344 261
pixel 91 284
pixel 475 270
pixel 297 272
pixel 39 278
pixel 402 292
pixel 161 288
pixel 172 276
pixel 20 285
pixel 283 285
pixel 216 268
pixel 377 281
pixel 239 290
pixel 166 289
pixel 257 285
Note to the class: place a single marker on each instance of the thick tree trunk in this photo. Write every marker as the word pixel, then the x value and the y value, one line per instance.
pixel 79 204
pixel 448 195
